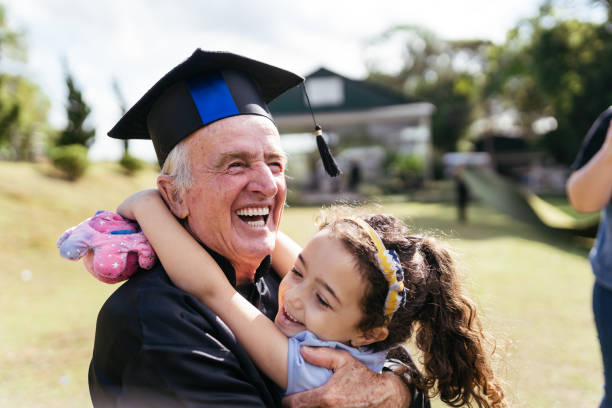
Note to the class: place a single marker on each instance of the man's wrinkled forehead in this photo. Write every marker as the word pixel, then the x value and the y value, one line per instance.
pixel 239 137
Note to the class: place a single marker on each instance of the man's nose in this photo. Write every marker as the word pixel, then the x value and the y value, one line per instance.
pixel 264 181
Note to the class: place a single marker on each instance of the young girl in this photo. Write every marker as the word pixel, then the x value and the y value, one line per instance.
pixel 362 284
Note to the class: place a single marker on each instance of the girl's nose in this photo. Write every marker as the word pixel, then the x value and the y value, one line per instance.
pixel 294 299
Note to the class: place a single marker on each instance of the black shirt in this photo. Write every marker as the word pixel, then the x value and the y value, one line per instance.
pixel 593 140
pixel 157 345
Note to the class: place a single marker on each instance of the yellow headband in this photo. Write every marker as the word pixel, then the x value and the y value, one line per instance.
pixel 389 265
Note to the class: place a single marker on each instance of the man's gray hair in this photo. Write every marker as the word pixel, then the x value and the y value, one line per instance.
pixel 177 166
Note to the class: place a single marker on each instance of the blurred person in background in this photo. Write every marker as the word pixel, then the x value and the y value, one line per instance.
pixel 589 189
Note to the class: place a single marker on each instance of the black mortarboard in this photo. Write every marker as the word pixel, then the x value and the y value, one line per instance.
pixel 206 87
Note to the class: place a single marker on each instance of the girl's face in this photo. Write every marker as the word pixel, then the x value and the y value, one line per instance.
pixel 322 293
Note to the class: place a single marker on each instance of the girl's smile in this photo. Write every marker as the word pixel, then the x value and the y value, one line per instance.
pixel 288 323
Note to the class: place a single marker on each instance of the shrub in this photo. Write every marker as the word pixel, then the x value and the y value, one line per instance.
pixel 405 171
pixel 131 164
pixel 71 160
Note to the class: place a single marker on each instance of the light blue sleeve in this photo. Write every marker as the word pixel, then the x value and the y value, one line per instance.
pixel 302 376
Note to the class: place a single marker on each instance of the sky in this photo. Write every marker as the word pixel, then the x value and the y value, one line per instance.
pixel 135 42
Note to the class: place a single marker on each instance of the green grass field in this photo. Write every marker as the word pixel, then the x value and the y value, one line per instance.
pixel 533 289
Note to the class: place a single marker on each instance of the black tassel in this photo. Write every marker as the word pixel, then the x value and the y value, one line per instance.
pixel 331 167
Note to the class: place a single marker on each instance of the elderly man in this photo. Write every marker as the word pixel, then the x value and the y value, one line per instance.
pixel 223 175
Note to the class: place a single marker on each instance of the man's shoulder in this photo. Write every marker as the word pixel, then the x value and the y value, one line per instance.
pixel 161 311
pixel 142 285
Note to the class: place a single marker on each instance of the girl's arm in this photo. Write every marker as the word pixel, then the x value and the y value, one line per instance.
pixel 192 269
pixel 285 254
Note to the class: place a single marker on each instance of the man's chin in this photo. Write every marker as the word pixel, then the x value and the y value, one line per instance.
pixel 253 243
pixel 257 248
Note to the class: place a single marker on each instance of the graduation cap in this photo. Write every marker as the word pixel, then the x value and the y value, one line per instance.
pixel 206 87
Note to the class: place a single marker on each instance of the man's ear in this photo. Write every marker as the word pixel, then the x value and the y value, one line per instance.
pixel 373 335
pixel 172 196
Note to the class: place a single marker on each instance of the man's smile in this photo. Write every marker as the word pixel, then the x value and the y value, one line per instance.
pixel 254 216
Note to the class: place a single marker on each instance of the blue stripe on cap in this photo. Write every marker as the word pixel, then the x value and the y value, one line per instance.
pixel 212 98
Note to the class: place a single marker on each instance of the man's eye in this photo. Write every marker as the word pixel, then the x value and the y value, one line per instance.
pixel 276 167
pixel 235 165
pixel 323 302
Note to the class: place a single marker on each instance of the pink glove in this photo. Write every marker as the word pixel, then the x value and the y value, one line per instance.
pixel 113 247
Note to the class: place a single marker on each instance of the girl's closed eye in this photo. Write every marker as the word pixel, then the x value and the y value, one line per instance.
pixel 323 302
pixel 296 272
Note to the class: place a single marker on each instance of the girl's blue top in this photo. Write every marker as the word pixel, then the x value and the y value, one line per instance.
pixel 304 376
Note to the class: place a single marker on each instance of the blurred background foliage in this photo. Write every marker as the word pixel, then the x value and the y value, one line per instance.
pixel 551 66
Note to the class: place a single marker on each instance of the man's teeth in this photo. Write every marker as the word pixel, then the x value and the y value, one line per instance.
pixel 259 215
pixel 250 212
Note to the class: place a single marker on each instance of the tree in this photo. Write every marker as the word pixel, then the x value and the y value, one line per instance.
pixel 552 66
pixel 444 73
pixel 9 113
pixel 12 41
pixel 23 107
pixel 69 155
pixel 123 109
pixel 453 96
pixel 129 163
pixel 77 111
pixel 23 117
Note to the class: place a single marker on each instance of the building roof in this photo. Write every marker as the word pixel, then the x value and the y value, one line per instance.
pixel 332 92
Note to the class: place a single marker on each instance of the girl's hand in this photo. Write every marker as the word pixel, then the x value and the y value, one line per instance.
pixel 129 207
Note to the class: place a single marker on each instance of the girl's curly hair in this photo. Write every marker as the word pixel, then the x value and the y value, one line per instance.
pixel 441 318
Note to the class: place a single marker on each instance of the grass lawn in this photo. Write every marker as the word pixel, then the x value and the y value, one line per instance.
pixel 533 289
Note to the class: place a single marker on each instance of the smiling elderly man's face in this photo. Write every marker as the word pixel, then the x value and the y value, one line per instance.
pixel 238 191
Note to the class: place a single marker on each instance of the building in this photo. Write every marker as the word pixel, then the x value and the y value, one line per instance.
pixel 362 122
